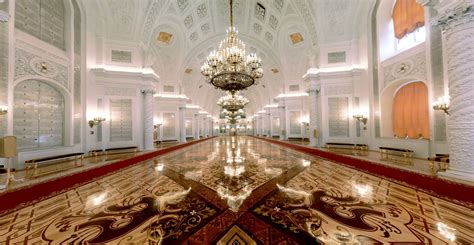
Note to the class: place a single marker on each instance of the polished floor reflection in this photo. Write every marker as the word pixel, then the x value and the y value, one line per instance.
pixel 239 190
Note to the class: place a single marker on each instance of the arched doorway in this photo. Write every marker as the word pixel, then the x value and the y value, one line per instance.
pixel 410 116
pixel 38 115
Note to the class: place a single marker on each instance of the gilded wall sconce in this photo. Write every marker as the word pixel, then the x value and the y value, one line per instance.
pixel 96 121
pixel 362 119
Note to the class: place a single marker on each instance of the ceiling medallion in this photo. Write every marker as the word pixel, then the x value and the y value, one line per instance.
pixel 165 37
pixel 229 68
pixel 296 38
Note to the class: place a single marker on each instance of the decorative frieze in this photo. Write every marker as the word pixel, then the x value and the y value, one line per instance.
pixel 117 91
pixel 338 90
pixel 413 66
pixel 30 64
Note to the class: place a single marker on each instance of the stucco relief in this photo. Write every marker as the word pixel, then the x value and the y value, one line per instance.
pixel 337 90
pixel 309 21
pixel 30 64
pixel 151 17
pixel 336 21
pixel 121 13
pixel 115 91
pixel 413 66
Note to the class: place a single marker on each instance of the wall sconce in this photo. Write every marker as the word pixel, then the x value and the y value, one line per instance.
pixel 96 121
pixel 362 119
pixel 3 110
pixel 442 104
pixel 305 123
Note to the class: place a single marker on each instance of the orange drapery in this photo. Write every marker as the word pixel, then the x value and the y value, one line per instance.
pixel 410 111
pixel 407 16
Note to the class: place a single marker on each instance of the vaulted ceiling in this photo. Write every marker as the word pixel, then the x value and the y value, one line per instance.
pixel 176 36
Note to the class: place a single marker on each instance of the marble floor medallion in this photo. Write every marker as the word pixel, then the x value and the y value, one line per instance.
pixel 331 217
pixel 239 190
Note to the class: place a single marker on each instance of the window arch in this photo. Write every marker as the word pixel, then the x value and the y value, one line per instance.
pixel 410 116
pixel 407 16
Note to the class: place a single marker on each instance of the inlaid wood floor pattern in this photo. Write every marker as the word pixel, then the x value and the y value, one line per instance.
pixel 239 190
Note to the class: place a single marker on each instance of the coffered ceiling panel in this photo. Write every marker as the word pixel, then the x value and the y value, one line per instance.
pixel 177 35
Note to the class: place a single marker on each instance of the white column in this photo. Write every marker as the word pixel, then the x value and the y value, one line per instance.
pixel 182 125
pixel 313 92
pixel 148 118
pixel 269 124
pixel 206 127
pixel 457 22
pixel 196 126
pixel 203 128
pixel 283 133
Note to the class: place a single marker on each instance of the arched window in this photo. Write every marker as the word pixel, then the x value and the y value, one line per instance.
pixel 408 24
pixel 407 16
pixel 410 111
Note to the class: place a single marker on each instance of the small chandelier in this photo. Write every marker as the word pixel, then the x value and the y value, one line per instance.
pixel 442 104
pixel 233 114
pixel 229 68
pixel 232 102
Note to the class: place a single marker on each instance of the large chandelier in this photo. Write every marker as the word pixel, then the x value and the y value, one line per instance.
pixel 232 102
pixel 229 68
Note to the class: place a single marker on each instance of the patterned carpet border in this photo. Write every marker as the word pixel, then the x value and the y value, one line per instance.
pixel 451 191
pixel 21 197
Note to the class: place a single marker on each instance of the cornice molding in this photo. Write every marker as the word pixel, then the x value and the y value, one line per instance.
pixel 126 74
pixel 314 73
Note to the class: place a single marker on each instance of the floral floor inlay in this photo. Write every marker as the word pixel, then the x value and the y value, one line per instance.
pixel 239 190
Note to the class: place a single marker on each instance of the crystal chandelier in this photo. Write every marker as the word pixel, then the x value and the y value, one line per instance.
pixel 229 68
pixel 232 102
pixel 233 114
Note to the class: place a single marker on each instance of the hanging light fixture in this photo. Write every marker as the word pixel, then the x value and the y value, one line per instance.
pixel 232 102
pixel 229 68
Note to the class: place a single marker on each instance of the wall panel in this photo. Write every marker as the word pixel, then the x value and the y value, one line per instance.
pixel 120 120
pixel 338 117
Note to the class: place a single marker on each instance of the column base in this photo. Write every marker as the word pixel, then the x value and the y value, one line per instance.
pixel 456 175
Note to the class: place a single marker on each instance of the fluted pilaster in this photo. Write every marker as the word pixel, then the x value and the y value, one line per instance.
pixel 182 125
pixel 269 124
pixel 313 92
pixel 283 133
pixel 196 126
pixel 148 118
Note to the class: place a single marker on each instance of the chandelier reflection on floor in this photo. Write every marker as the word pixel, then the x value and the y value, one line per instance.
pixel 229 68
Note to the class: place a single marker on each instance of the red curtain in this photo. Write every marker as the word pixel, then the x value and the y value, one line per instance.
pixel 407 16
pixel 410 111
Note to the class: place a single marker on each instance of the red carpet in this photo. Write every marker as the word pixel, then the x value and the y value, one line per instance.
pixel 17 198
pixel 445 189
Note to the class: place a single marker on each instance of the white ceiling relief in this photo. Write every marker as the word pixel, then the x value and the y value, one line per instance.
pixel 283 33
pixel 202 10
pixel 182 4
